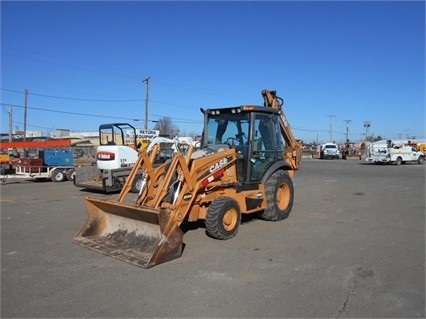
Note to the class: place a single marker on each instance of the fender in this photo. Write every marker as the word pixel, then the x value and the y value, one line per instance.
pixel 283 165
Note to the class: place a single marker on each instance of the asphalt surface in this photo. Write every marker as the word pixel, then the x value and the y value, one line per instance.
pixel 353 246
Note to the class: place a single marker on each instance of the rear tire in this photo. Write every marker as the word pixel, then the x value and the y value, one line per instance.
pixel 70 174
pixel 58 176
pixel 421 160
pixel 399 161
pixel 223 218
pixel 279 196
pixel 137 184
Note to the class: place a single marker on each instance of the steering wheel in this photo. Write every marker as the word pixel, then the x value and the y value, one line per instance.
pixel 232 141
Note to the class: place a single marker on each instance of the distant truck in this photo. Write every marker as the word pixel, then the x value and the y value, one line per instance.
pixel 329 151
pixel 393 154
pixel 57 165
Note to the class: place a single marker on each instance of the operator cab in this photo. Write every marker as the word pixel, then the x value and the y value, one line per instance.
pixel 117 134
pixel 254 131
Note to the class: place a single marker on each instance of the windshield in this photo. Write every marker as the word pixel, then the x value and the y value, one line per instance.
pixel 226 129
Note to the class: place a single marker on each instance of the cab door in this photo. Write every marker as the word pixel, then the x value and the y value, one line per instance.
pixel 413 154
pixel 266 148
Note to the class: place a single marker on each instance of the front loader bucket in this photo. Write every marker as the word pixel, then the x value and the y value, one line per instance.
pixel 141 236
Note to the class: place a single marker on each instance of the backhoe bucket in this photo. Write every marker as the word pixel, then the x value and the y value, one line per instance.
pixel 141 236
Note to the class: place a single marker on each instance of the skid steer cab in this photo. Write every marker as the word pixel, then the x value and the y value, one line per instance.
pixel 245 166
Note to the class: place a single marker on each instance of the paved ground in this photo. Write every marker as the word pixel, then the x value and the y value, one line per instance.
pixel 353 246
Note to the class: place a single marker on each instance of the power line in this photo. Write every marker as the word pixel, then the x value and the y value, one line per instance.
pixel 309 130
pixel 96 115
pixel 176 120
pixel 96 100
pixel 75 98
pixel 68 112
pixel 33 125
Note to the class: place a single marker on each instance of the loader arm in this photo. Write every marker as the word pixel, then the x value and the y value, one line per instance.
pixel 145 160
pixel 176 172
pixel 177 185
pixel 293 149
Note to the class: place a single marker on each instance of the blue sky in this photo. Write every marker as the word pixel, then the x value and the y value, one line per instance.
pixel 83 63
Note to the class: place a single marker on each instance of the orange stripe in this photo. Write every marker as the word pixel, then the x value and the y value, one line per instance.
pixel 35 144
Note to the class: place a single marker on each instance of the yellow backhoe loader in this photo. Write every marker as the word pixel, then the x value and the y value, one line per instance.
pixel 245 165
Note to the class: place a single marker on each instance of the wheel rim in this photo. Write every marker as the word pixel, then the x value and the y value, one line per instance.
pixel 230 219
pixel 138 185
pixel 283 196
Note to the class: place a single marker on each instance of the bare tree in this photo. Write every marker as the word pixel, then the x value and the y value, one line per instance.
pixel 192 134
pixel 166 127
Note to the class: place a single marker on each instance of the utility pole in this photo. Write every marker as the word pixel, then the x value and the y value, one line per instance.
pixel 146 81
pixel 347 130
pixel 331 126
pixel 367 125
pixel 25 114
pixel 10 123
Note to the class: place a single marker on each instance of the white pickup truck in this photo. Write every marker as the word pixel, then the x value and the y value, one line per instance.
pixel 396 155
pixel 329 151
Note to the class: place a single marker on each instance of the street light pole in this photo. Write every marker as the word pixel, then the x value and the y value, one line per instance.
pixel 146 81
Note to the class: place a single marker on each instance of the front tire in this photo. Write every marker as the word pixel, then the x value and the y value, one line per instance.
pixel 279 196
pixel 421 160
pixel 223 218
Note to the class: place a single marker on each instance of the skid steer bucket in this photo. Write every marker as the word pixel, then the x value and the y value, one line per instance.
pixel 141 236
